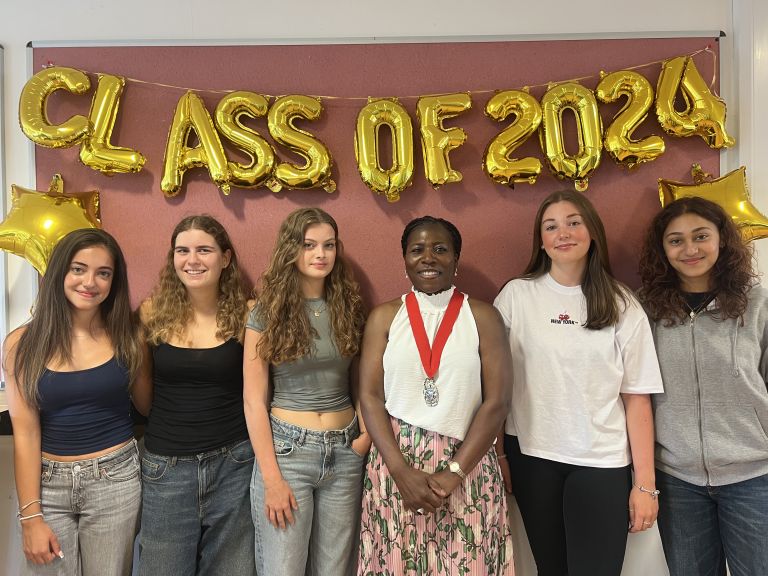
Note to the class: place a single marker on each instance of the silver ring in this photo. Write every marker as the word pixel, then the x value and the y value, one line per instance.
pixel 420 510
pixel 647 523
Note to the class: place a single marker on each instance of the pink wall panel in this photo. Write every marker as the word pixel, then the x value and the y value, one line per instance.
pixel 494 220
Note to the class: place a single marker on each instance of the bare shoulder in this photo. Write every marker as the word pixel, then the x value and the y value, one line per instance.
pixel 9 346
pixel 382 315
pixel 485 314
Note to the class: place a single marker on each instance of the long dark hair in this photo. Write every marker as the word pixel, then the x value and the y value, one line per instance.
pixel 170 311
pixel 732 275
pixel 48 334
pixel 287 334
pixel 601 290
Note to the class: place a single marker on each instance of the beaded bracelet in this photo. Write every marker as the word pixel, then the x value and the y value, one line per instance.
pixel 38 515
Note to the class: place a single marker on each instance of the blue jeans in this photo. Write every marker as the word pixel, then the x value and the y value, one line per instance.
pixel 196 515
pixel 326 477
pixel 93 508
pixel 703 526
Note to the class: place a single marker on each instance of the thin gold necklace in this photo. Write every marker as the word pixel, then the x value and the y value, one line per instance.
pixel 317 311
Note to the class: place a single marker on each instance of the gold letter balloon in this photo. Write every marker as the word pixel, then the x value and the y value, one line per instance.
pixel 589 127
pixel 33 115
pixel 228 116
pixel 192 115
pixel 704 113
pixel 372 117
pixel 437 141
pixel 498 162
pixel 316 171
pixel 96 151
pixel 618 137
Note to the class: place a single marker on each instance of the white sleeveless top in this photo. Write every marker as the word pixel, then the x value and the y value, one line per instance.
pixel 457 378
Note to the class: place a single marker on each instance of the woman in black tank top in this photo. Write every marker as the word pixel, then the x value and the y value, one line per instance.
pixel 70 372
pixel 198 460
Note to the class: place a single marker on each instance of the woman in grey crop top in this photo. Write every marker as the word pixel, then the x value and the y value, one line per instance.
pixel 300 340
pixel 70 372
pixel 198 460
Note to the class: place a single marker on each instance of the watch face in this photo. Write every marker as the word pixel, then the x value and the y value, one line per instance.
pixel 453 467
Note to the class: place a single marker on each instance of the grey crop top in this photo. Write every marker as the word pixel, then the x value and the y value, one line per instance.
pixel 318 382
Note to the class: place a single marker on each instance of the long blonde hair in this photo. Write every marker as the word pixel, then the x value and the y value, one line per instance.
pixel 170 311
pixel 288 334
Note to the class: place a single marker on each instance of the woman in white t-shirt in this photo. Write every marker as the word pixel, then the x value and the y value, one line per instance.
pixel 583 367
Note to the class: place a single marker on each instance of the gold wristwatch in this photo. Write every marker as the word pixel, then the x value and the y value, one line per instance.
pixel 456 469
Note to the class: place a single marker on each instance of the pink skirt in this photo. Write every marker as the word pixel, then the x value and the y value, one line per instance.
pixel 468 536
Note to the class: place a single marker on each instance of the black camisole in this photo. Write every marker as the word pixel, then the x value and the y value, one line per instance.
pixel 198 399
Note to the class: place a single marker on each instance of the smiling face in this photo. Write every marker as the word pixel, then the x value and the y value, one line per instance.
pixel 89 278
pixel 692 246
pixel 317 255
pixel 564 235
pixel 430 258
pixel 198 259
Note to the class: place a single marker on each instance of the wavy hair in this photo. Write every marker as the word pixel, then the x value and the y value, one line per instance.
pixel 170 311
pixel 732 275
pixel 288 334
pixel 601 290
pixel 48 334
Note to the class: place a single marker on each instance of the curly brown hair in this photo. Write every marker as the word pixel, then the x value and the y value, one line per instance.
pixel 169 310
pixel 602 292
pixel 288 334
pixel 732 275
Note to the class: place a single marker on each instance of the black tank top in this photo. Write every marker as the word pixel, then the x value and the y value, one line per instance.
pixel 198 399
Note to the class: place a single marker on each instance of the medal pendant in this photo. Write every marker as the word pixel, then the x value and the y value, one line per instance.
pixel 431 395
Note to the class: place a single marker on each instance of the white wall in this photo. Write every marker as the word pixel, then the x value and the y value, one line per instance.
pixel 745 87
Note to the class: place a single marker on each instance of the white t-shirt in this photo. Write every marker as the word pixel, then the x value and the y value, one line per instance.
pixel 457 379
pixel 567 380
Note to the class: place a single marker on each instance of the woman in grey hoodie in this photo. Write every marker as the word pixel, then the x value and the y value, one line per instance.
pixel 710 324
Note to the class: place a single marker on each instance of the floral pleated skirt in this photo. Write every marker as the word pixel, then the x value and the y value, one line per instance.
pixel 468 536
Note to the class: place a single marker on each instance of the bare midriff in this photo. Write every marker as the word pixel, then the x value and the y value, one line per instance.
pixel 89 456
pixel 316 420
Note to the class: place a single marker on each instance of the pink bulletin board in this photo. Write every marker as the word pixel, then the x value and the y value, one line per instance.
pixel 494 220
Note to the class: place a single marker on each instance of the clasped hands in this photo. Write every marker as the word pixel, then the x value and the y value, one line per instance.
pixel 424 492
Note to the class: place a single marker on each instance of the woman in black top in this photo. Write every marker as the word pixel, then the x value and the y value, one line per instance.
pixel 198 460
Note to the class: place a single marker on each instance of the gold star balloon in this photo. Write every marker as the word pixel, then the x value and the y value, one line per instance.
pixel 729 191
pixel 38 220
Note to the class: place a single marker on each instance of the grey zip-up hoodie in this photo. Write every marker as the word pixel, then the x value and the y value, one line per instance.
pixel 712 419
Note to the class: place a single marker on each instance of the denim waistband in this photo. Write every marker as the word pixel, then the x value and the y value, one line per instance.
pixel 115 457
pixel 222 450
pixel 309 436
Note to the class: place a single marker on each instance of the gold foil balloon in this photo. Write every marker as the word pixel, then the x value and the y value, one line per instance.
pixel 38 220
pixel 437 141
pixel 729 191
pixel 589 127
pixel 617 139
pixel 192 115
pixel 498 162
pixel 96 151
pixel 33 116
pixel 371 118
pixel 228 120
pixel 704 113
pixel 318 163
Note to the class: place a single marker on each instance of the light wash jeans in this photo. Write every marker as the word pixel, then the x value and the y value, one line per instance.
pixel 196 514
pixel 93 508
pixel 703 526
pixel 326 477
